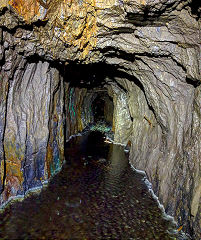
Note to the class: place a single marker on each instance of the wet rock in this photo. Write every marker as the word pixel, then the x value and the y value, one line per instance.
pixel 151 51
pixel 28 133
pixel 73 203
pixel 102 160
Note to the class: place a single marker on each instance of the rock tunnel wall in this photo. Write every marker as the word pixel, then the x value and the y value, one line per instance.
pixel 154 47
pixel 79 112
pixel 33 139
pixel 74 115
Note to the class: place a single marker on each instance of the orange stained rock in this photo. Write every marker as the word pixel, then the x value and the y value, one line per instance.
pixel 48 160
pixel 13 162
pixel 180 228
pixel 71 21
pixel 28 9
pixel 12 182
pixel 14 176
pixel 129 143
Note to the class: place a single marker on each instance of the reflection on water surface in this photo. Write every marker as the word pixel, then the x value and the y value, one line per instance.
pixel 96 196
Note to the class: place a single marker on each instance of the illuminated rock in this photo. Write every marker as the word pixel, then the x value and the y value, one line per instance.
pixel 54 58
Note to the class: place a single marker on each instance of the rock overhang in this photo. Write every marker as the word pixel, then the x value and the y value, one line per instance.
pixel 84 30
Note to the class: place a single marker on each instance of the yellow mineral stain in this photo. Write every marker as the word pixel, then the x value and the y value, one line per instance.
pixel 2 170
pixel 113 125
pixel 143 2
pixel 80 124
pixel 77 25
pixel 3 3
pixel 103 4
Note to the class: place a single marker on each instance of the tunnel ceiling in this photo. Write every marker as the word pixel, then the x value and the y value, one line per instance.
pixel 145 53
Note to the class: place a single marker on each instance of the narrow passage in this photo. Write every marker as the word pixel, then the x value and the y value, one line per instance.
pixel 97 195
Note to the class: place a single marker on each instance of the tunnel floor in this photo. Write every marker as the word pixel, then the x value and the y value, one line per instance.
pixel 97 195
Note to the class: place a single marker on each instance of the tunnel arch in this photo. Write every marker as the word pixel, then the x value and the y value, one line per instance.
pixel 112 89
pixel 160 52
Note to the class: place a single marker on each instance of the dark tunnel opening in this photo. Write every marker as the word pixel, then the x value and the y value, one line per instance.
pixel 88 99
pixel 98 106
pixel 103 108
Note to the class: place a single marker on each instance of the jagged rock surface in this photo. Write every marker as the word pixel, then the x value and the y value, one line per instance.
pixel 154 47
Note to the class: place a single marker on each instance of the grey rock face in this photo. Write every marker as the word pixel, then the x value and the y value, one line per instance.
pixel 34 98
pixel 165 59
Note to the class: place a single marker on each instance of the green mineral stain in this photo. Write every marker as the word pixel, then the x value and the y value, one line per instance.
pixel 71 107
pixel 51 169
pixel 100 127
pixel 55 167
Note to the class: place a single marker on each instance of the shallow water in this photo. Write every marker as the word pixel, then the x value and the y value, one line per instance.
pixel 97 195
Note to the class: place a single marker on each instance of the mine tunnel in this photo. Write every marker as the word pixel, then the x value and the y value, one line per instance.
pixel 100 119
pixel 94 110
pixel 90 124
pixel 88 98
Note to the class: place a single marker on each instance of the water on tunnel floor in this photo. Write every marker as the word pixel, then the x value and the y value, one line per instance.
pixel 97 195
